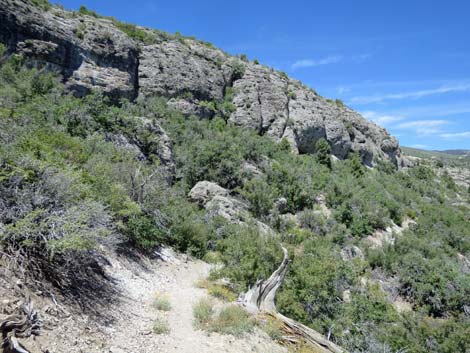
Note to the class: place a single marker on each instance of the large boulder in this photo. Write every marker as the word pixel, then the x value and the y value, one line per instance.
pixel 218 202
pixel 205 191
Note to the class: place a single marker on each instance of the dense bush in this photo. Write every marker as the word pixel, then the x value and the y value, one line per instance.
pixel 42 4
pixel 323 152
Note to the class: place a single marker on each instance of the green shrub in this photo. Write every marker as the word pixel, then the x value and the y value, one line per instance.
pixel 222 292
pixel 232 320
pixel 323 152
pixel 355 164
pixel 136 33
pixel 142 231
pixel 161 303
pixel 292 95
pixel 84 11
pixel 260 196
pixel 212 257
pixel 42 4
pixel 273 328
pixel 160 326
pixel 203 311
pixel 247 255
pixel 238 70
pixel 80 31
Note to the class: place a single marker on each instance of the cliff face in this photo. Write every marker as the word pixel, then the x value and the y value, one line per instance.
pixel 88 52
pixel 92 53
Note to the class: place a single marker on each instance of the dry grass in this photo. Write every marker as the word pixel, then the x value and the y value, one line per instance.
pixel 203 311
pixel 233 320
pixel 160 326
pixel 302 348
pixel 161 303
pixel 272 327
pixel 217 290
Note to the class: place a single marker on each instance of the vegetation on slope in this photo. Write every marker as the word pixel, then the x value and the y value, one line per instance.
pixel 65 187
pixel 452 158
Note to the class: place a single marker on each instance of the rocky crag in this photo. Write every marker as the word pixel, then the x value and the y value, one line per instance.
pixel 93 52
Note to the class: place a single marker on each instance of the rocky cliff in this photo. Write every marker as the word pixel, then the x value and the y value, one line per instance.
pixel 92 52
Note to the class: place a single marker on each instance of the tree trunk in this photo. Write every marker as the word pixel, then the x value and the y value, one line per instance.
pixel 260 300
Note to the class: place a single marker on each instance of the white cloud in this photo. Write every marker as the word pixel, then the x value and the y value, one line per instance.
pixel 417 145
pixel 311 63
pixel 463 87
pixel 456 135
pixel 343 90
pixel 381 119
pixel 434 110
pixel 423 127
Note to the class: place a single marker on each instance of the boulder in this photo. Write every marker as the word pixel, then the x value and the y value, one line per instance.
pixel 218 203
pixel 351 252
pixel 205 191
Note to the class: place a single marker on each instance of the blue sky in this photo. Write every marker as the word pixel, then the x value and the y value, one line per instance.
pixel 404 64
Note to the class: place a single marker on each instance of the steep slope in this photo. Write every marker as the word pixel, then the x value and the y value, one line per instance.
pixel 93 52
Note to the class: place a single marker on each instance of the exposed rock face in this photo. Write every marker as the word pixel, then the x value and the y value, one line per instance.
pixel 148 140
pixel 88 52
pixel 176 68
pixel 91 53
pixel 156 142
pixel 282 108
pixel 204 191
pixel 218 202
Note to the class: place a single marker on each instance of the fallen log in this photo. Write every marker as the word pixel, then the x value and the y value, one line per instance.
pixel 260 299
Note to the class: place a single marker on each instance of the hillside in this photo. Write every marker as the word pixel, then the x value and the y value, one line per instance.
pixel 127 61
pixel 457 152
pixel 119 142
pixel 453 163
pixel 449 155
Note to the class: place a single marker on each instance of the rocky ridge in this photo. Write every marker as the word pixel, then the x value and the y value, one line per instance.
pixel 93 53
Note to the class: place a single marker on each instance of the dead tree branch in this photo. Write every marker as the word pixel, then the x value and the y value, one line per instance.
pixel 260 300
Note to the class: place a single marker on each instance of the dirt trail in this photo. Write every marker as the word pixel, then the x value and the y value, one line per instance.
pixel 176 279
pixel 130 329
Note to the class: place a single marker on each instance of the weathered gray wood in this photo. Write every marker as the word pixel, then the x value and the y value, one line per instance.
pixel 11 345
pixel 261 296
pixel 24 324
pixel 260 300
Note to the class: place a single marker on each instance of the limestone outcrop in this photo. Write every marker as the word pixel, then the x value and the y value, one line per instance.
pixel 91 52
